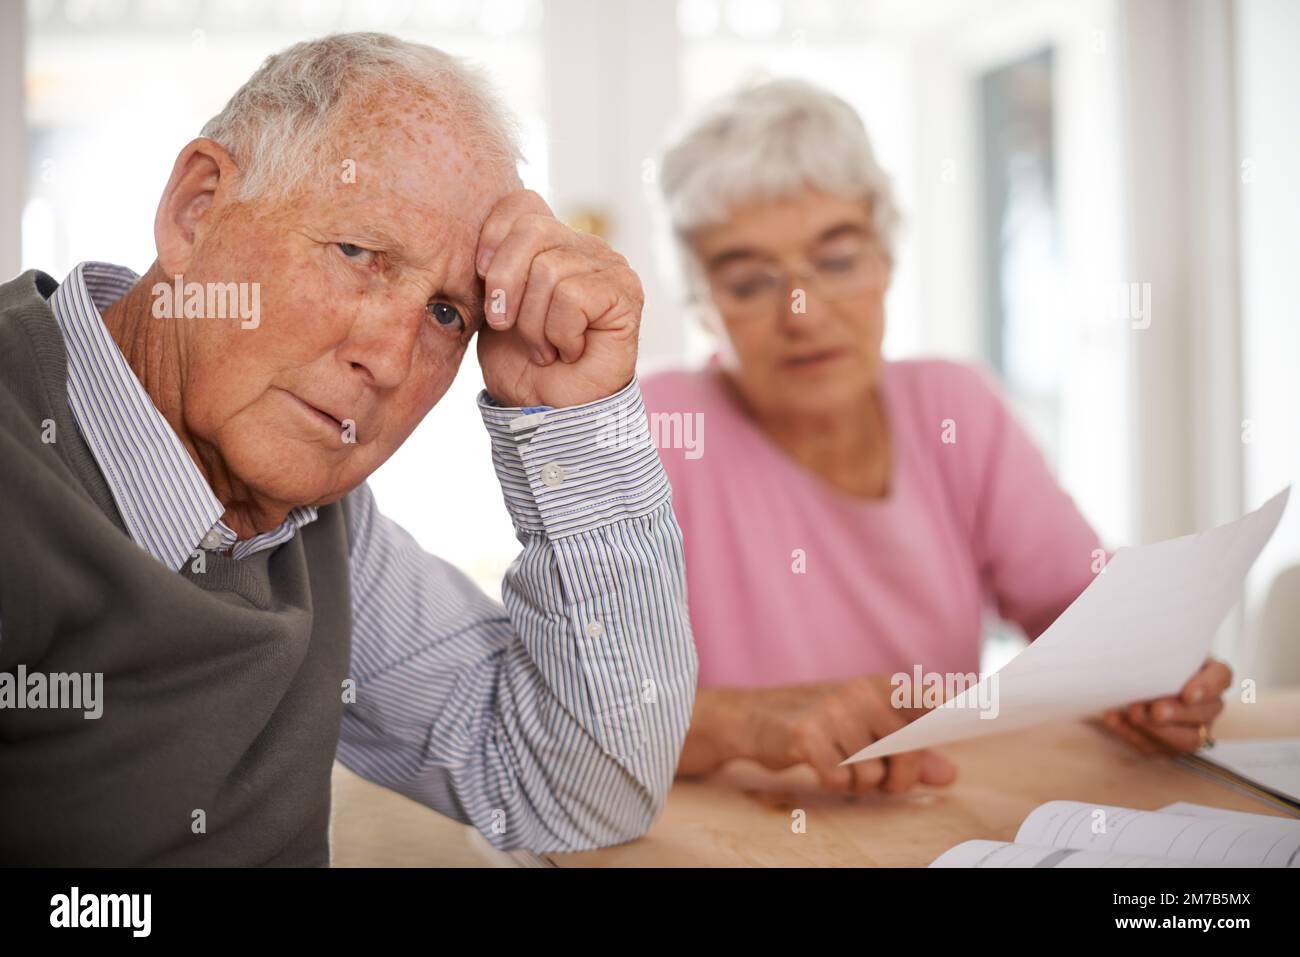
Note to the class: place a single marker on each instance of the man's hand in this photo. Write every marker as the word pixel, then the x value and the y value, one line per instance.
pixel 817 724
pixel 1175 722
pixel 563 309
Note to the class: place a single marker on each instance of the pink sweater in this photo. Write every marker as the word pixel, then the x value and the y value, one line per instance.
pixel 790 580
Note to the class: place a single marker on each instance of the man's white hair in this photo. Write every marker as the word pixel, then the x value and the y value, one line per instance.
pixel 765 142
pixel 277 124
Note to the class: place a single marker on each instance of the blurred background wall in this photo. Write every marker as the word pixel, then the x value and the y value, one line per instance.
pixel 1101 206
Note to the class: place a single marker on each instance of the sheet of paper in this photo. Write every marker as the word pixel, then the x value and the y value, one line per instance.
pixel 1285 825
pixel 1272 762
pixel 1000 854
pixel 1139 631
pixel 1072 834
pixel 1250 841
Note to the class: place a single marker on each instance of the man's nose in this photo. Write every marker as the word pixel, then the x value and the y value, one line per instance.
pixel 381 344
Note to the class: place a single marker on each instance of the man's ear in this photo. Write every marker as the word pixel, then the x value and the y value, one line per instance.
pixel 204 176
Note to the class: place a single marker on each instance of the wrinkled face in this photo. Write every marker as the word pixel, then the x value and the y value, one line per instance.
pixel 799 286
pixel 368 298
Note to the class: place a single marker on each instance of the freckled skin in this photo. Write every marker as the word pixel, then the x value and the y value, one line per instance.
pixel 355 338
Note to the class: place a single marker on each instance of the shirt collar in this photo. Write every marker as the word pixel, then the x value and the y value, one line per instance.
pixel 167 505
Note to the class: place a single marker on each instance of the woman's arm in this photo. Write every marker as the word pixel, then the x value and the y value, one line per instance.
pixel 1036 553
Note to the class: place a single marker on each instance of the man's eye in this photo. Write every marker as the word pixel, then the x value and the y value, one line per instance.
pixel 352 251
pixel 446 314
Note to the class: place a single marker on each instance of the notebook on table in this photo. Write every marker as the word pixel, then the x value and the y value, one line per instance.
pixel 1075 834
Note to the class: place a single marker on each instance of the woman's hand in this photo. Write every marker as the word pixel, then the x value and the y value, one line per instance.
pixel 1174 722
pixel 817 724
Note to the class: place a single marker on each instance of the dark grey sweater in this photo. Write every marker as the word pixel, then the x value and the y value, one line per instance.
pixel 222 691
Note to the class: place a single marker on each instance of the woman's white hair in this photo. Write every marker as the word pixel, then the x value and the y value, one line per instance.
pixel 765 142
pixel 277 124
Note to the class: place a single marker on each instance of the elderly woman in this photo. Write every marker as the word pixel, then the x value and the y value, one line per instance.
pixel 852 518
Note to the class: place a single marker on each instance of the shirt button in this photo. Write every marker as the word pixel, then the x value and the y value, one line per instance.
pixel 595 629
pixel 553 474
pixel 212 540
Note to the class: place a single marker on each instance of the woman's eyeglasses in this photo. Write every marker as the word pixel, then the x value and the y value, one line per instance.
pixel 762 288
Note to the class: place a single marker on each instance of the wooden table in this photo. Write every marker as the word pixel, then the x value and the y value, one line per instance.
pixel 708 823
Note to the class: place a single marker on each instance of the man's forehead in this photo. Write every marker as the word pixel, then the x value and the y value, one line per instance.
pixel 407 213
pixel 419 159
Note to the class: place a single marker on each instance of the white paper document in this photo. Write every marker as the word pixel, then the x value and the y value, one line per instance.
pixel 1273 763
pixel 1139 631
pixel 1074 834
pixel 1188 809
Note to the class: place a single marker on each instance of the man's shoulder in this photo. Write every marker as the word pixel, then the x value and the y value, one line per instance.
pixel 25 314
pixel 33 360
pixel 26 292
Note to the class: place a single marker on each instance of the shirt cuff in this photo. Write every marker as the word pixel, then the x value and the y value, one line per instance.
pixel 565 471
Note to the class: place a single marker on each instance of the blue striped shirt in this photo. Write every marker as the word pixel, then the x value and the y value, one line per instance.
pixel 551 722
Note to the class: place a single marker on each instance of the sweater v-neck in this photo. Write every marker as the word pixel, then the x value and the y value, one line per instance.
pixel 777 458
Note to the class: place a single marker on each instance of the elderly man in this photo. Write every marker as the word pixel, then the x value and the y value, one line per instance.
pixel 186 514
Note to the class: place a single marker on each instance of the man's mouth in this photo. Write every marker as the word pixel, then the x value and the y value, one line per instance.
pixel 326 419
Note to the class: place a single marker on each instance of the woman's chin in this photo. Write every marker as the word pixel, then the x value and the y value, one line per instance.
pixel 803 391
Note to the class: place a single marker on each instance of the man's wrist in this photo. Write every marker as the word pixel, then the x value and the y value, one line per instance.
pixel 534 402
pixel 571 469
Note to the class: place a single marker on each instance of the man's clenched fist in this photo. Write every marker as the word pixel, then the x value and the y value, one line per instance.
pixel 563 309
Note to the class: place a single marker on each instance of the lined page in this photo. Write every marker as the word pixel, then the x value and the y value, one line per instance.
pixel 1002 854
pixel 1259 842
